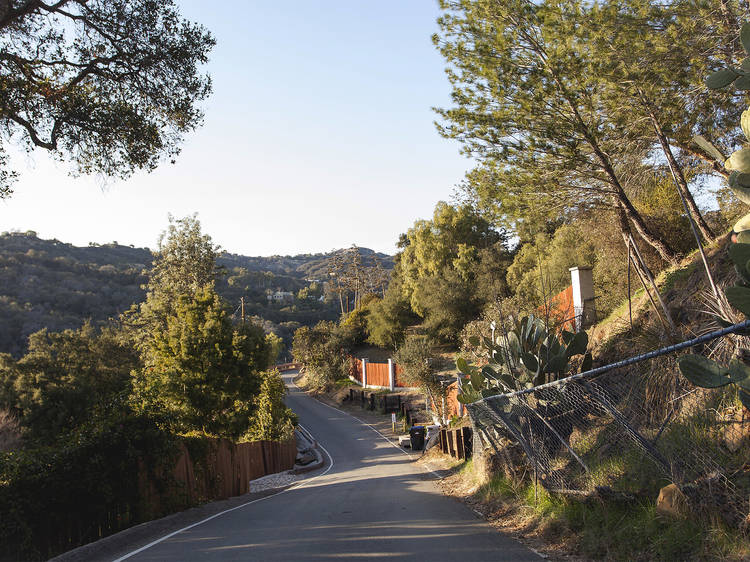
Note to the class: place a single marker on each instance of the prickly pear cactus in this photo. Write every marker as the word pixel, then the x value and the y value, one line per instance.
pixel 739 162
pixel 699 370
pixel 524 357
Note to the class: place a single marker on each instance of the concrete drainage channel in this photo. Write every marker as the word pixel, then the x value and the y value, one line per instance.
pixel 309 458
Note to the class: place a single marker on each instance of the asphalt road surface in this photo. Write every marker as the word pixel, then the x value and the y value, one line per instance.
pixel 370 502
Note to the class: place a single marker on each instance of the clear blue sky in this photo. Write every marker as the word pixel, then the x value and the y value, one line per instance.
pixel 319 135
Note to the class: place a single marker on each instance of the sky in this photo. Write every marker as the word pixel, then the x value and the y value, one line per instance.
pixel 319 134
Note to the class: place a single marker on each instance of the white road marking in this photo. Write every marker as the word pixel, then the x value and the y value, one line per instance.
pixel 368 425
pixel 295 486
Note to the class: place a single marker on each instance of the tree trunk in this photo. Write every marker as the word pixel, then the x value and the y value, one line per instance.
pixel 622 220
pixel 663 248
pixel 621 199
pixel 682 185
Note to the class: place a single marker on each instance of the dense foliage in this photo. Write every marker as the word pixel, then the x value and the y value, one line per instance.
pixel 546 98
pixel 448 268
pixel 100 410
pixel 59 496
pixel 110 85
pixel 66 379
pixel 322 349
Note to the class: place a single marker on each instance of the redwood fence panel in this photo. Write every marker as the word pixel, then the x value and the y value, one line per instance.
pixel 355 369
pixel 377 374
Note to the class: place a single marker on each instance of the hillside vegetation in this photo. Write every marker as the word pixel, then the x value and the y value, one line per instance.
pixel 54 285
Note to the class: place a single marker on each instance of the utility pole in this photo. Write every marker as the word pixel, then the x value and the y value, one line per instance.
pixel 242 307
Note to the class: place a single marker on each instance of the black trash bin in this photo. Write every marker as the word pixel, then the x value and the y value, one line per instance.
pixel 416 436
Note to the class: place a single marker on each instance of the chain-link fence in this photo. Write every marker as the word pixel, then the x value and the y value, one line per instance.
pixel 628 429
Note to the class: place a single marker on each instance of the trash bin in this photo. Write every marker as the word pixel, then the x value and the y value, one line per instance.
pixel 416 435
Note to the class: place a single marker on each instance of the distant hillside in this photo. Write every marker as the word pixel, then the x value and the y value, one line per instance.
pixel 303 266
pixel 48 283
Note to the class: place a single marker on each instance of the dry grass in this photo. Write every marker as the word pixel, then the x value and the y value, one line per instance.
pixel 10 432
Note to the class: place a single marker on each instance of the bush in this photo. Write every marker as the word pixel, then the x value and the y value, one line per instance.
pixel 272 421
pixel 56 498
pixel 414 358
pixel 323 351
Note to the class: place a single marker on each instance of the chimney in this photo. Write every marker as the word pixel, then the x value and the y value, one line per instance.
pixel 582 279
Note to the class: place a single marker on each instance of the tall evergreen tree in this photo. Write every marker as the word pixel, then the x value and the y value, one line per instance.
pixel 197 368
pixel 527 106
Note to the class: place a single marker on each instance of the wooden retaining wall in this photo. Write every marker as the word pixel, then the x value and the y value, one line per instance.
pixel 456 442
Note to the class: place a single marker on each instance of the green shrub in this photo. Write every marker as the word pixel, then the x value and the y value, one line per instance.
pixel 56 498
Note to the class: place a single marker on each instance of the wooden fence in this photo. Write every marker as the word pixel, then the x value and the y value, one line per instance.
pixel 229 467
pixel 456 442
pixel 224 470
pixel 377 374
pixel 355 370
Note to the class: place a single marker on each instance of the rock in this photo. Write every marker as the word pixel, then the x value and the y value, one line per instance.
pixel 672 502
pixel 736 432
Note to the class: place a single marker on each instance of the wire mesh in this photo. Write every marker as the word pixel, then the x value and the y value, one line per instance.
pixel 631 427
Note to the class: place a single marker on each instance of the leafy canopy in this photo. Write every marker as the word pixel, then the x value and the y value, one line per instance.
pixel 110 85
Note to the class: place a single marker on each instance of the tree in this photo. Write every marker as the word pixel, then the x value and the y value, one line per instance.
pixel 322 350
pixel 110 85
pixel 448 266
pixel 185 260
pixel 390 316
pixel 347 275
pixel 652 59
pixel 528 108
pixel 272 421
pixel 199 371
pixel 451 240
pixel 447 302
pixel 274 345
pixel 197 368
pixel 65 377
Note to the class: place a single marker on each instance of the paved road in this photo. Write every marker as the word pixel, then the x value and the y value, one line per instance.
pixel 372 503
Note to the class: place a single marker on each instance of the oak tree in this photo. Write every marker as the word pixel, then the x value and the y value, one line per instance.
pixel 109 85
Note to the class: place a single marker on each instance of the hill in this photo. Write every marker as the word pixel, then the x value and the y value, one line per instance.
pixel 52 284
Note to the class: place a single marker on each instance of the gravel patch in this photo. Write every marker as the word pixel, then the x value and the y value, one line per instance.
pixel 278 480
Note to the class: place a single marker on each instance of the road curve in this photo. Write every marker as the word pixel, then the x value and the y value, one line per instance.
pixel 373 503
